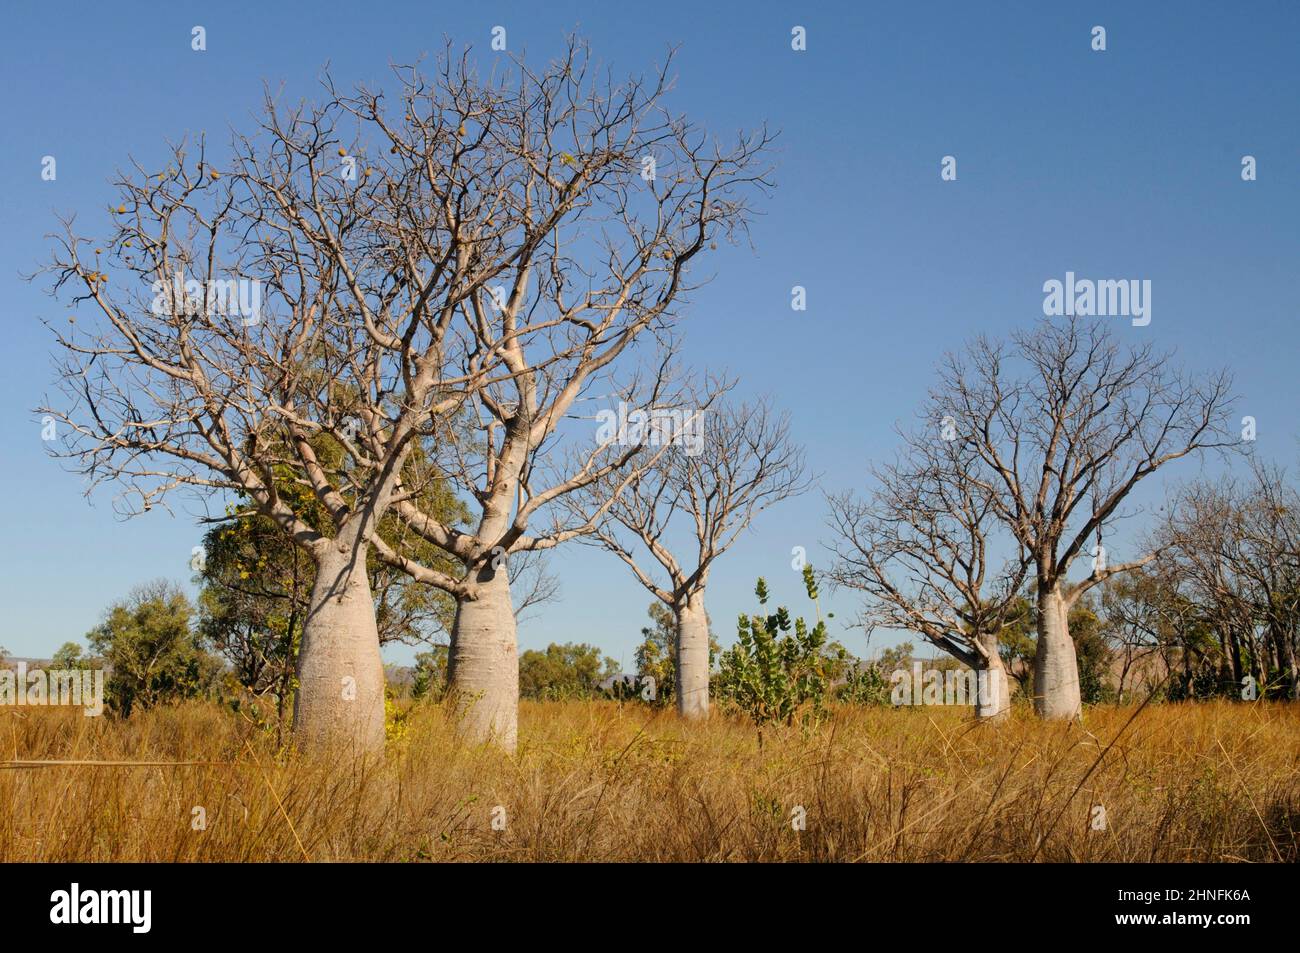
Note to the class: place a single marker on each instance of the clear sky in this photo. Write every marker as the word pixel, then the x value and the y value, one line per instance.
pixel 1124 163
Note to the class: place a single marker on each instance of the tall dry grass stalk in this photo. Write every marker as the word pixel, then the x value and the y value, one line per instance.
pixel 595 781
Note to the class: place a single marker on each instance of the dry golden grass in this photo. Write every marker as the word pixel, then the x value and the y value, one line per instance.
pixel 595 781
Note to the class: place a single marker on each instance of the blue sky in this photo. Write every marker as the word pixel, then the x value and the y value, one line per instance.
pixel 1124 163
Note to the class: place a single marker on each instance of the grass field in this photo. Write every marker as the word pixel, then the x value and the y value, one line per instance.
pixel 596 781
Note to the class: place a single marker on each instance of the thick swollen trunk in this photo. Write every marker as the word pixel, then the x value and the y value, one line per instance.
pixel 484 664
pixel 994 693
pixel 340 698
pixel 1056 667
pixel 692 675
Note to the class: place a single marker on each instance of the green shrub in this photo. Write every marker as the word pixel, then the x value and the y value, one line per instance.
pixel 777 672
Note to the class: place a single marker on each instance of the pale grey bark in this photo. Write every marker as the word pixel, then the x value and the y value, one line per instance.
pixel 692 672
pixel 340 698
pixel 1056 666
pixel 483 667
pixel 993 700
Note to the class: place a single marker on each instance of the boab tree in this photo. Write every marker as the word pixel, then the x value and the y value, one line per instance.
pixel 596 201
pixel 923 547
pixel 303 298
pixel 1062 424
pixel 724 465
pixel 257 585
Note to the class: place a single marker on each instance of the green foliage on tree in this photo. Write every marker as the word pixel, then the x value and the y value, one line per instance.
pixel 864 683
pixel 563 672
pixel 430 677
pixel 1093 654
pixel 777 671
pixel 256 583
pixel 153 653
pixel 70 657
pixel 896 657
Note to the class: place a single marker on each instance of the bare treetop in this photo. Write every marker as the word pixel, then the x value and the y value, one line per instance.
pixel 739 460
pixel 1068 422
pixel 396 260
pixel 925 547
pixel 375 297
